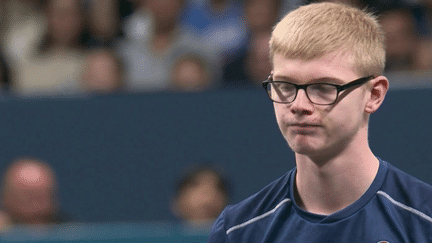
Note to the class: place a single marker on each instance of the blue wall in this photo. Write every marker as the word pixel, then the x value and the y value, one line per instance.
pixel 118 157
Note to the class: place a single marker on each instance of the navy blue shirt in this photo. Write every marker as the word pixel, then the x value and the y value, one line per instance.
pixel 396 208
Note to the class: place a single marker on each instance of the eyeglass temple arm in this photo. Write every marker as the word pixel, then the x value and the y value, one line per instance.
pixel 354 83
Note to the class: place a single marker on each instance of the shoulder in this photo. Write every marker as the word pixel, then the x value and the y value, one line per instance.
pixel 400 182
pixel 407 193
pixel 253 208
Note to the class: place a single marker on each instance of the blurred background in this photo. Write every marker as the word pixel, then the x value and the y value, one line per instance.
pixel 133 120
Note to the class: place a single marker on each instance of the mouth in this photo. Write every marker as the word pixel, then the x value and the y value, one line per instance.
pixel 305 125
pixel 304 128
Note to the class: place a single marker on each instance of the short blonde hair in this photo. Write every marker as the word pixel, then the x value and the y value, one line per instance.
pixel 317 29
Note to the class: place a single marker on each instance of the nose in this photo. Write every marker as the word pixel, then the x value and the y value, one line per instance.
pixel 302 105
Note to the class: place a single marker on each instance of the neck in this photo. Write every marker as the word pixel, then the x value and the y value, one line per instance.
pixel 328 185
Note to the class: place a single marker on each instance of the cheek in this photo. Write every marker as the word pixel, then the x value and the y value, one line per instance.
pixel 280 118
pixel 343 122
pixel 279 112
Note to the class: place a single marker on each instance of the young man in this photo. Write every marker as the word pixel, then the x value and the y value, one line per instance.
pixel 328 61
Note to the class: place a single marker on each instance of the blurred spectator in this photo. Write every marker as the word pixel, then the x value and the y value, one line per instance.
pixel 16 12
pixel 253 64
pixel 402 39
pixel 252 68
pixel 200 196
pixel 23 24
pixel 424 58
pixel 149 58
pixel 104 21
pixel 57 65
pixel 103 72
pixel 261 15
pixel 191 73
pixel 29 193
pixel 138 26
pixel 220 25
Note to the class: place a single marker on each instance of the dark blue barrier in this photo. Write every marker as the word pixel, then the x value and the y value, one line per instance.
pixel 118 157
pixel 156 232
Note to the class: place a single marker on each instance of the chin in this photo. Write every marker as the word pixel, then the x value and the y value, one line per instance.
pixel 302 149
pixel 306 152
pixel 306 147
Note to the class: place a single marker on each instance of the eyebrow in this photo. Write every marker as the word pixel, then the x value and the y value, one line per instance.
pixel 332 80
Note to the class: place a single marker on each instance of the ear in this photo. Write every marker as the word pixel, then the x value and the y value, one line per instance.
pixel 376 93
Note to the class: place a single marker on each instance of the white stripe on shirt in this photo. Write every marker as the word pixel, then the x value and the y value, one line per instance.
pixel 250 221
pixel 409 209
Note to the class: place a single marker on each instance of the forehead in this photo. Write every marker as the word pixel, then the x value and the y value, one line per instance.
pixel 333 65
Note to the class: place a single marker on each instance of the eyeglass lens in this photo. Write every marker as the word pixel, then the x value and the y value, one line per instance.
pixel 317 93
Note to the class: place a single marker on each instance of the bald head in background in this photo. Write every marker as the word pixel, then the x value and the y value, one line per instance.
pixel 29 192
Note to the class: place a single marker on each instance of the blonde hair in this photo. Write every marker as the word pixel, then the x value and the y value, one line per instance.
pixel 317 29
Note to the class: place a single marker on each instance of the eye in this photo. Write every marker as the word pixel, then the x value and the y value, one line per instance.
pixel 322 88
pixel 284 87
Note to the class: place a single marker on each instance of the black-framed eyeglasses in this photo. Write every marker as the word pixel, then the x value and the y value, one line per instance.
pixel 317 93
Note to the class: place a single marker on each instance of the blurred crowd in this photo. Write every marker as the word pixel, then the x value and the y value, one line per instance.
pixel 29 195
pixel 69 47
pixel 74 47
